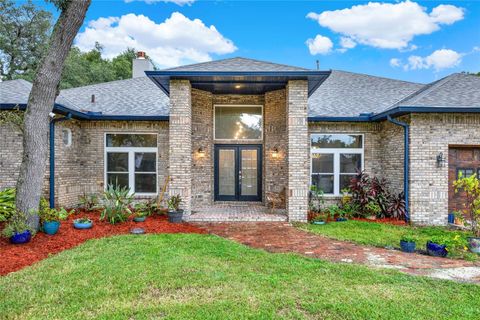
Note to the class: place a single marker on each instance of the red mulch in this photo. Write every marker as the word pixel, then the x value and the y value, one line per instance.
pixel 16 257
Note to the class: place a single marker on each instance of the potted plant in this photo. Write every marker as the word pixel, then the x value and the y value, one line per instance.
pixel 141 212
pixel 51 218
pixel 408 242
pixel 17 229
pixel 437 247
pixel 319 218
pixel 175 215
pixel 471 187
pixel 82 223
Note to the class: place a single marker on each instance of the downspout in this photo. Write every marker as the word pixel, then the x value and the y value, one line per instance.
pixel 406 169
pixel 52 157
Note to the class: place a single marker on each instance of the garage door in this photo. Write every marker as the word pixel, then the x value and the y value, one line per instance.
pixel 467 161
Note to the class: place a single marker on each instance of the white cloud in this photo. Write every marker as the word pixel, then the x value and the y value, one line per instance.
pixel 394 62
pixel 319 45
pixel 178 40
pixel 387 25
pixel 438 60
pixel 179 2
pixel 347 43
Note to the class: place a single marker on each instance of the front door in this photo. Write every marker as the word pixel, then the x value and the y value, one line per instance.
pixel 238 173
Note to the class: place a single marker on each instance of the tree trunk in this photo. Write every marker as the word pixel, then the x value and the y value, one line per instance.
pixel 40 104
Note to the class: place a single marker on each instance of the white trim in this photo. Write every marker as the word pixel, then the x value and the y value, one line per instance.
pixel 131 161
pixel 336 158
pixel 238 105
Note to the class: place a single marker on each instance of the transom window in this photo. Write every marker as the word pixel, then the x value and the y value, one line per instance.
pixel 238 122
pixel 335 160
pixel 131 161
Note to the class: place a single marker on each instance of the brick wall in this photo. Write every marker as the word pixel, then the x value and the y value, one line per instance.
pixel 298 152
pixel 431 134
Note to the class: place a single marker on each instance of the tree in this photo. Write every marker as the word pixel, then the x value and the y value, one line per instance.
pixel 40 104
pixel 24 32
pixel 84 68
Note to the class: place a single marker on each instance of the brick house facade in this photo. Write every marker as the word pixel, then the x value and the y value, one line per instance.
pixel 316 127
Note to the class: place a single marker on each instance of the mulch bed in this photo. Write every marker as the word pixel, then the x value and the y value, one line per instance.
pixel 16 257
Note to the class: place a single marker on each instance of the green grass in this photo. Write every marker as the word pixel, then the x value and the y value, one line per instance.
pixel 383 235
pixel 205 277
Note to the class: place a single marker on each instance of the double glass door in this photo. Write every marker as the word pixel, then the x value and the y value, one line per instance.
pixel 238 172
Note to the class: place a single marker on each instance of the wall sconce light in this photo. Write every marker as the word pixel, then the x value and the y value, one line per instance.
pixel 275 152
pixel 441 160
pixel 201 152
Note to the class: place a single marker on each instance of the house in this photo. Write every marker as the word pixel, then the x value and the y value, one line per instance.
pixel 226 132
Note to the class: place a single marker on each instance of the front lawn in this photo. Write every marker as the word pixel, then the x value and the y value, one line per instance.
pixel 385 235
pixel 191 276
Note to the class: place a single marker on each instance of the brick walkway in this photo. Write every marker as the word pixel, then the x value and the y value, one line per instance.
pixel 282 237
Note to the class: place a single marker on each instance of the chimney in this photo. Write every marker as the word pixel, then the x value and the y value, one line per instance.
pixel 140 65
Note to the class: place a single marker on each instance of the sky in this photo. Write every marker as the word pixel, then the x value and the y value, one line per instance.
pixel 414 41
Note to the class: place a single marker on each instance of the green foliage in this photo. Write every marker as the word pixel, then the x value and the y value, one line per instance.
pixel 85 68
pixel 17 224
pixel 89 202
pixel 49 215
pixel 144 209
pixel 13 117
pixel 116 201
pixel 82 220
pixel 372 208
pixel 315 199
pixel 456 243
pixel 471 187
pixel 24 33
pixel 409 237
pixel 173 202
pixel 7 204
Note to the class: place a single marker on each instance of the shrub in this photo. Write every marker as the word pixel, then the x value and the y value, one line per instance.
pixel 315 199
pixel 17 224
pixel 144 209
pixel 89 202
pixel 471 187
pixel 456 243
pixel 372 197
pixel 409 237
pixel 7 204
pixel 48 215
pixel 116 201
pixel 174 202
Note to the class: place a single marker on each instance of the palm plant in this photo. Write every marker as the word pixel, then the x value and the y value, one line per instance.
pixel 116 202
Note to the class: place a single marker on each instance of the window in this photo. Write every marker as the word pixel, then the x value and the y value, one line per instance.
pixel 67 137
pixel 336 158
pixel 131 161
pixel 238 122
pixel 466 172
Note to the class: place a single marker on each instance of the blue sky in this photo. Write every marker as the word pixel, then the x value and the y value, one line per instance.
pixel 415 41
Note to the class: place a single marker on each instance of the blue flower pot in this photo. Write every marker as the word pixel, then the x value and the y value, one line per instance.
pixel 451 218
pixel 51 227
pixel 407 246
pixel 139 219
pixel 318 222
pixel 19 238
pixel 341 219
pixel 79 225
pixel 436 250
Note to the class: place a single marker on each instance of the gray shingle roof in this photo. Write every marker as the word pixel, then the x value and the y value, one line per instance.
pixel 237 64
pixel 137 96
pixel 346 94
pixel 456 90
pixel 15 91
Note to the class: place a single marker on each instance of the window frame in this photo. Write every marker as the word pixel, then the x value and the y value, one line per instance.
pixel 131 161
pixel 69 137
pixel 336 158
pixel 237 106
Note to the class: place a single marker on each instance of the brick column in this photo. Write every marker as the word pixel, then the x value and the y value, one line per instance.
pixel 180 142
pixel 298 150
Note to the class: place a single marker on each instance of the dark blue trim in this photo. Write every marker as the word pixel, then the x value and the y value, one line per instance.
pixel 406 163
pixel 60 109
pixel 52 158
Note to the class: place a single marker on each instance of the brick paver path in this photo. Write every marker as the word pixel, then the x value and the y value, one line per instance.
pixel 283 237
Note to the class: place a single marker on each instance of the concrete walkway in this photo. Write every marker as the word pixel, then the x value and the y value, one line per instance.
pixel 283 237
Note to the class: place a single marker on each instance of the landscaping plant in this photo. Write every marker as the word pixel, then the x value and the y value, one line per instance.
pixel 116 202
pixel 17 225
pixel 175 214
pixel 89 202
pixel 7 204
pixel 471 187
pixel 315 199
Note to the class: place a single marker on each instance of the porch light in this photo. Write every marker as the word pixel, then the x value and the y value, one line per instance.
pixel 275 152
pixel 238 86
pixel 201 152
pixel 441 160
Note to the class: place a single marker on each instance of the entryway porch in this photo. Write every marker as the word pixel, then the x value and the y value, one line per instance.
pixel 237 211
